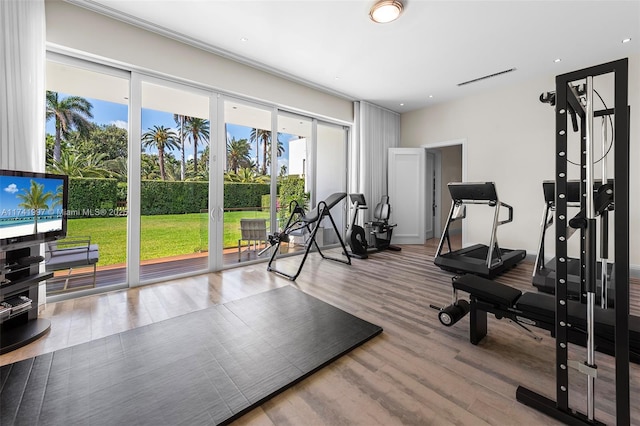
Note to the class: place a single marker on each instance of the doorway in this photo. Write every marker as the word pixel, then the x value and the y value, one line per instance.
pixel 448 166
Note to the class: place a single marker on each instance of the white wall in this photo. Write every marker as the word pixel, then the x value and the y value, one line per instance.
pixel 76 28
pixel 510 141
pixel 297 157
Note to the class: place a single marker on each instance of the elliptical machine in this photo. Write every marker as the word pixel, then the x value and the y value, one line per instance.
pixel 381 230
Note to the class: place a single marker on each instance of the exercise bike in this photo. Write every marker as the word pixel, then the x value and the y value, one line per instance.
pixel 381 230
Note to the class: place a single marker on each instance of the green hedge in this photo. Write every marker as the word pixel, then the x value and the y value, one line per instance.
pixel 243 195
pixel 173 197
pixel 88 195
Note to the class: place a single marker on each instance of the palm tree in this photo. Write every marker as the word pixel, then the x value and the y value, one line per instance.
pixel 149 166
pixel 198 130
pixel 245 175
pixel 35 199
pixel 70 112
pixel 280 148
pixel 238 154
pixel 162 138
pixel 180 121
pixel 264 136
pixel 73 164
pixel 118 168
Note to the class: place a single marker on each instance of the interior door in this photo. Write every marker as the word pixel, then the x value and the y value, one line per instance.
pixel 430 190
pixel 407 188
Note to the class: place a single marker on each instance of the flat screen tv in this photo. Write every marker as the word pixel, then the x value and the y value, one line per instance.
pixel 33 207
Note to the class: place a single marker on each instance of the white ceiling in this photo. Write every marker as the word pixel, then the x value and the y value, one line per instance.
pixel 431 48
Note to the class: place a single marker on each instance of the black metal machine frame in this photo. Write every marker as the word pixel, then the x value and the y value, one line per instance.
pixel 495 259
pixel 568 103
pixel 310 222
pixel 544 272
pixel 380 228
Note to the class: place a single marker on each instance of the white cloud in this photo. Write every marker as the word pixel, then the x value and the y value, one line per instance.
pixel 120 123
pixel 12 188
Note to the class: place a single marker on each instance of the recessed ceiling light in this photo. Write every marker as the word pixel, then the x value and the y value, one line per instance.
pixel 385 11
pixel 244 39
pixel 626 40
pixel 401 104
pixel 430 96
pixel 557 60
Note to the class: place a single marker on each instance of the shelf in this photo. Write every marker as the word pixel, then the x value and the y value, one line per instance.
pixel 22 326
pixel 21 283
pixel 22 334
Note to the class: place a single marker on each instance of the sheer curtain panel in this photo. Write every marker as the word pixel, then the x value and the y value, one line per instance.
pixel 379 130
pixel 22 84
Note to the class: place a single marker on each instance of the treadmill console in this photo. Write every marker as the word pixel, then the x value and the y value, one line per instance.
pixel 474 191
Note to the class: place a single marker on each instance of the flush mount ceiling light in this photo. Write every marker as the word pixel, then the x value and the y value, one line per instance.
pixel 385 11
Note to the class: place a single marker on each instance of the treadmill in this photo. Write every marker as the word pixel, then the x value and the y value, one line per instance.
pixel 477 259
pixel 544 274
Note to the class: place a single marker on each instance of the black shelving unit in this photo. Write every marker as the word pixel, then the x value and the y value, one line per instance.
pixel 19 322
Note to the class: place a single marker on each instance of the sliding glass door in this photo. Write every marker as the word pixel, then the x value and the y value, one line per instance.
pixel 87 131
pixel 248 168
pixel 174 179
pixel 161 189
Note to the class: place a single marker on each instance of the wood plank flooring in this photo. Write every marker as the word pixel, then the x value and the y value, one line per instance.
pixel 417 372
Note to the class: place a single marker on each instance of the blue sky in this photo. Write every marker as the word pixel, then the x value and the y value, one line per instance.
pixel 117 114
pixel 11 186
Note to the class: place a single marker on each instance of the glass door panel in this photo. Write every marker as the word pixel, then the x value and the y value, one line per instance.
pixel 294 149
pixel 331 175
pixel 87 133
pixel 174 188
pixel 247 182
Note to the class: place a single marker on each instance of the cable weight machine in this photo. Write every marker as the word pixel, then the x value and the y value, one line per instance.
pixel 570 102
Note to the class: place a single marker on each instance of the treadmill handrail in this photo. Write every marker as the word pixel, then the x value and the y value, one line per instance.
pixel 510 219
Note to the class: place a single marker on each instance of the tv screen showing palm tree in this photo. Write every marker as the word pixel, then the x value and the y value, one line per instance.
pixel 31 205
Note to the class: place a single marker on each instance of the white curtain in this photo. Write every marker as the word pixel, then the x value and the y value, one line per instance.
pixel 22 85
pixel 378 130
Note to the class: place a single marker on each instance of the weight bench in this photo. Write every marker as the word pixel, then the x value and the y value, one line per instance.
pixel 531 309
pixel 299 220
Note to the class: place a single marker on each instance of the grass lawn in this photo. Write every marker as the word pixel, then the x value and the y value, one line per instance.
pixel 160 235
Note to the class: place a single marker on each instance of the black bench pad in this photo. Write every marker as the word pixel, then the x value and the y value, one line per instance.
pixel 487 290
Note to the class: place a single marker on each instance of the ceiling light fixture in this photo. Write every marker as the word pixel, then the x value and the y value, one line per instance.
pixel 626 40
pixel 557 60
pixel 244 39
pixel 385 11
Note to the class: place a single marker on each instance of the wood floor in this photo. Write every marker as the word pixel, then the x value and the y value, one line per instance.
pixel 417 372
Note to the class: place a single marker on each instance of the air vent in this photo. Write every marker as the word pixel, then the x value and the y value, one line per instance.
pixel 486 77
